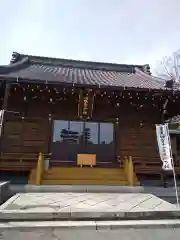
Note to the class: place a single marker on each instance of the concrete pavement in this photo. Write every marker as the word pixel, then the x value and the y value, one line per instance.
pixel 48 206
pixel 81 215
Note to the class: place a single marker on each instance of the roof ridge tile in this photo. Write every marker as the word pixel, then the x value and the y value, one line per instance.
pixel 78 63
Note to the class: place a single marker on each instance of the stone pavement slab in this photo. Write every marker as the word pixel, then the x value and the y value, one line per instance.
pixel 158 191
pixel 68 205
pixel 72 230
pixel 93 224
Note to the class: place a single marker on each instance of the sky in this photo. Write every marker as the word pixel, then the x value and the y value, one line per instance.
pixel 118 31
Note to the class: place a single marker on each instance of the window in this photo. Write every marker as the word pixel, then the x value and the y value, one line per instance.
pixel 91 133
pixel 78 132
pixel 106 133
pixel 60 130
pixel 73 137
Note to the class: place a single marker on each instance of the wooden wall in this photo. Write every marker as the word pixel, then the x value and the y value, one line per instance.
pixel 28 127
pixel 136 135
pixel 25 136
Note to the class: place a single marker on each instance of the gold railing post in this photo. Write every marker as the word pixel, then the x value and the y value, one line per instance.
pixel 40 168
pixel 126 165
pixel 129 171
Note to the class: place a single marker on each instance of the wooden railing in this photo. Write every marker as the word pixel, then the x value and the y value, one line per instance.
pixel 25 162
pixel 18 161
pixel 147 166
pixel 150 166
pixel 129 170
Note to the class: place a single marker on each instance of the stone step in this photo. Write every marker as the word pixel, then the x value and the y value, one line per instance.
pixel 85 181
pixel 72 230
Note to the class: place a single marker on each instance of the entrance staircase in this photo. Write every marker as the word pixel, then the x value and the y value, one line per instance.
pixel 84 175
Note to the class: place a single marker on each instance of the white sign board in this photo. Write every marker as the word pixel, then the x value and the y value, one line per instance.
pixel 164 145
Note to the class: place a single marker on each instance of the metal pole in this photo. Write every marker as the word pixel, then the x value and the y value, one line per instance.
pixel 175 185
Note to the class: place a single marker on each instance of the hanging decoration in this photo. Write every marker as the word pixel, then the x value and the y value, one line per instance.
pixel 135 100
pixel 86 104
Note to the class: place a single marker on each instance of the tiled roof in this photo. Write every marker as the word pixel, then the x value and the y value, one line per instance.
pixel 32 68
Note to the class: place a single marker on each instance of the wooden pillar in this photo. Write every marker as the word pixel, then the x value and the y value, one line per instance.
pixel 50 132
pixel 117 147
pixel 164 107
pixel 4 109
pixel 4 106
pixel 6 95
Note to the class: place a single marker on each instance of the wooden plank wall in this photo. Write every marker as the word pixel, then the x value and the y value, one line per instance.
pixel 137 136
pixel 32 134
pixel 138 141
pixel 134 139
pixel 25 136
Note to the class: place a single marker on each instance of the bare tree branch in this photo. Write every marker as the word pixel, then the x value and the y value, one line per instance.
pixel 169 67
